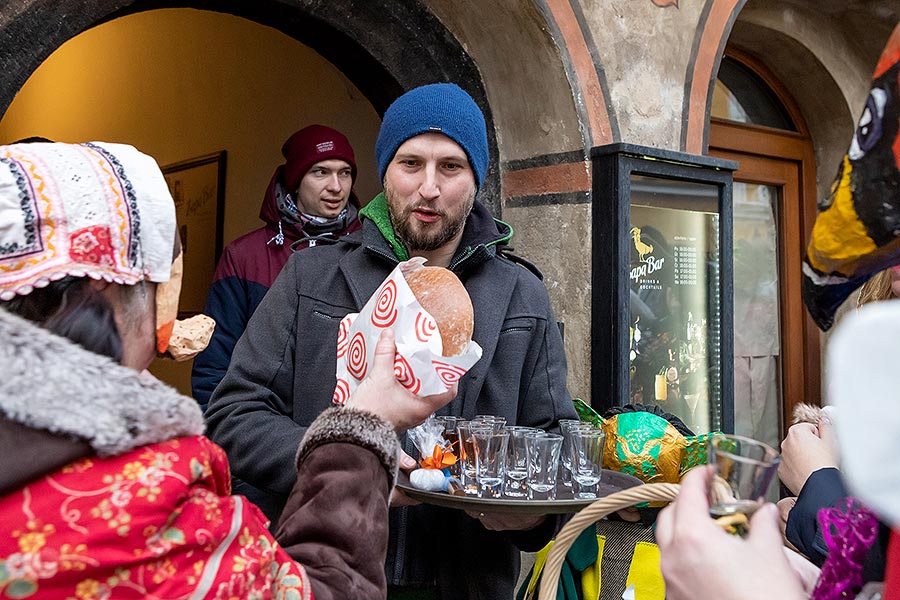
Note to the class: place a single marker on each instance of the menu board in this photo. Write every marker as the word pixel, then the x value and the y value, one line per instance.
pixel 674 352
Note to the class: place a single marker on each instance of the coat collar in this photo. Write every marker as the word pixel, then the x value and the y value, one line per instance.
pixel 49 383
pixel 482 235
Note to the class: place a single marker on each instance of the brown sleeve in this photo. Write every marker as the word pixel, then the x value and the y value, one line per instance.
pixel 336 520
pixel 33 453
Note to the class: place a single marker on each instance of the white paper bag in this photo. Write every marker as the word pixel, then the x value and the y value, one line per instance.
pixel 419 365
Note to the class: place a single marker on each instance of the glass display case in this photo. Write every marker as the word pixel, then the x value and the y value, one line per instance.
pixel 662 299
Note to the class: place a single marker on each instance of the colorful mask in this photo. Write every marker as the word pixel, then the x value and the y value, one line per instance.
pixel 857 230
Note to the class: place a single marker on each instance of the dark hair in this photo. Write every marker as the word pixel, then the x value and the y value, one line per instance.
pixel 35 139
pixel 73 309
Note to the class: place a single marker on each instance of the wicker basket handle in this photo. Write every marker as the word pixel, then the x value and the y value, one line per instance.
pixel 650 492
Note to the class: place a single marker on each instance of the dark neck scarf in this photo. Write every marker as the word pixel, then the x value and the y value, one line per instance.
pixel 310 225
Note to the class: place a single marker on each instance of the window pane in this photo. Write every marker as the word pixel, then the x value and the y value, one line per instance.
pixel 757 347
pixel 740 95
pixel 675 348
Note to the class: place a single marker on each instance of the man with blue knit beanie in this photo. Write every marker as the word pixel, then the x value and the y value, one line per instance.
pixel 440 107
pixel 432 155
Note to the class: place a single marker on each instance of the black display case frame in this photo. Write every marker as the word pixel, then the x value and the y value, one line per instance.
pixel 614 166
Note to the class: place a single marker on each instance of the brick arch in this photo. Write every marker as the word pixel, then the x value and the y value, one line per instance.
pixel 383 46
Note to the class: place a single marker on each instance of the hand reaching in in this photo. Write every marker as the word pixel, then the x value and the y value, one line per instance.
pixel 380 392
pixel 806 449
pixel 700 560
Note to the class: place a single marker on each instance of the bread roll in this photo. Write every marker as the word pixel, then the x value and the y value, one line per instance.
pixel 443 295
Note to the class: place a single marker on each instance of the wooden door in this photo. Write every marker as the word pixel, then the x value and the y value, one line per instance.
pixel 775 165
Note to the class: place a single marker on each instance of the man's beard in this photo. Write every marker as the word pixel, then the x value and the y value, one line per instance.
pixel 426 241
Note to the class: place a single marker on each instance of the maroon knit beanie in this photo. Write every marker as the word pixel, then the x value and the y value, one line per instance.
pixel 311 145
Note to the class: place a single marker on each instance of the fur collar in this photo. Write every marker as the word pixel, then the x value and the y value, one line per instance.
pixel 52 384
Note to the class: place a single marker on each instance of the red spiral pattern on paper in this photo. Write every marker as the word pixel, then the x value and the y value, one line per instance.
pixel 425 327
pixel 385 312
pixel 342 337
pixel 404 374
pixel 341 392
pixel 449 374
pixel 356 357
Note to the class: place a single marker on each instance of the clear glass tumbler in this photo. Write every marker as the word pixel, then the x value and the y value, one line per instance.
pixel 491 449
pixel 467 454
pixel 517 461
pixel 744 470
pixel 587 460
pixel 542 453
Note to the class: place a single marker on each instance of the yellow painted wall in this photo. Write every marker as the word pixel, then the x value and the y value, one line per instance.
pixel 180 83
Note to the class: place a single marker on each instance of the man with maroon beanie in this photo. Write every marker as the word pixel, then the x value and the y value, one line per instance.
pixel 309 201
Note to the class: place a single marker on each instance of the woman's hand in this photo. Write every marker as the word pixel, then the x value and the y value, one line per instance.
pixel 700 560
pixel 806 449
pixel 380 393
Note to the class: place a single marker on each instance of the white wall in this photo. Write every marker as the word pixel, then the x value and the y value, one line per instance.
pixel 180 83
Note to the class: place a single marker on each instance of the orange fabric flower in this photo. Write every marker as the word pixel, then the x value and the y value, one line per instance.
pixel 439 459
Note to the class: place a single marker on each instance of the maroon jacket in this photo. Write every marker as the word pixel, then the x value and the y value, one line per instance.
pixel 245 272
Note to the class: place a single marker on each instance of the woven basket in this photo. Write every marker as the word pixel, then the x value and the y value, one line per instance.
pixel 650 492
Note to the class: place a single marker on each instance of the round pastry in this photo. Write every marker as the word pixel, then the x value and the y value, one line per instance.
pixel 443 295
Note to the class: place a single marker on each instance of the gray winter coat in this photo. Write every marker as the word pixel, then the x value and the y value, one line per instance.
pixel 282 375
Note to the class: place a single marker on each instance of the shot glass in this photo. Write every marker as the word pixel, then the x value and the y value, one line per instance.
pixel 452 436
pixel 495 422
pixel 567 426
pixel 744 470
pixel 587 460
pixel 490 461
pixel 467 453
pixel 517 461
pixel 542 453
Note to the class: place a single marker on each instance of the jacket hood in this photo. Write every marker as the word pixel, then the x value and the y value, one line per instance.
pixel 50 384
pixel 270 214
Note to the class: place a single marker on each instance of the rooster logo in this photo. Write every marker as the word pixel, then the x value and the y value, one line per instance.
pixel 642 248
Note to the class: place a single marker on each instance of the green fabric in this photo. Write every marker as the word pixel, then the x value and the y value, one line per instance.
pixel 377 212
pixel 584 550
pixel 505 239
pixel 412 593
pixel 581 555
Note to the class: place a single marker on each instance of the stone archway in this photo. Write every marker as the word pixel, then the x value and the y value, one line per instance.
pixel 384 47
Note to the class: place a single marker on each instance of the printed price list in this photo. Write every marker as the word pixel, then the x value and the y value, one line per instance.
pixel 685 261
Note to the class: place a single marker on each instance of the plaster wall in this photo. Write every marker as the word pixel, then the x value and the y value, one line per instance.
pixel 820 64
pixel 646 50
pixel 181 83
pixel 557 239
pixel 532 103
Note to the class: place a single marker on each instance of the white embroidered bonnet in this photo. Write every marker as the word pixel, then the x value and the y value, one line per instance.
pixel 97 210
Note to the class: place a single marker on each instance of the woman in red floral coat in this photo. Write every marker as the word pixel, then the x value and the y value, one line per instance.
pixel 107 487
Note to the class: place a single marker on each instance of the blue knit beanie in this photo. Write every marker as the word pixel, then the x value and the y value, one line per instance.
pixel 439 107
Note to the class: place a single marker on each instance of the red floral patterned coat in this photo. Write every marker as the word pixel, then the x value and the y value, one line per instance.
pixel 109 490
pixel 154 522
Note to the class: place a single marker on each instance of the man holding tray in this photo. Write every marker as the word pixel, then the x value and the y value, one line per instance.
pixel 432 155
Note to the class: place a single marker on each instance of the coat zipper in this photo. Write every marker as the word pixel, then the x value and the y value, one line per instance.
pixel 402 522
